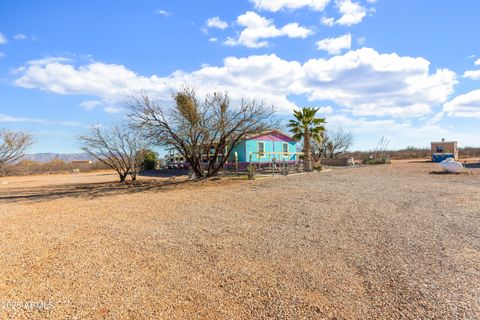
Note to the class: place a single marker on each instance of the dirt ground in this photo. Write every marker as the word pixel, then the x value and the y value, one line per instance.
pixel 376 242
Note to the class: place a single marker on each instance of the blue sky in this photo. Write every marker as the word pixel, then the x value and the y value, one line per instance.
pixel 408 70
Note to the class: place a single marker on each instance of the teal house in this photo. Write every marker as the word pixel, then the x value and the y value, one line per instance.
pixel 265 147
pixel 261 148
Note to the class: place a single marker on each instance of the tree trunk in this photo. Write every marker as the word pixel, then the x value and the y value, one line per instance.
pixel 307 151
pixel 196 166
pixel 122 177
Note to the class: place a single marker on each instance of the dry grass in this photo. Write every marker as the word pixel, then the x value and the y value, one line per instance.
pixel 383 242
pixel 56 166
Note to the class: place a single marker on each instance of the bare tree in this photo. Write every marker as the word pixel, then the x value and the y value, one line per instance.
pixel 118 147
pixel 13 145
pixel 333 144
pixel 199 131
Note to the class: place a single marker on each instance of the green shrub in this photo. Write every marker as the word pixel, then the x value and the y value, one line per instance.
pixel 149 160
pixel 384 160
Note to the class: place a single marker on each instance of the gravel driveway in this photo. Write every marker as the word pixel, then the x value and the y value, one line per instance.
pixel 380 242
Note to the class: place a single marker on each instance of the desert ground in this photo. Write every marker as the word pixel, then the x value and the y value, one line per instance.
pixel 374 242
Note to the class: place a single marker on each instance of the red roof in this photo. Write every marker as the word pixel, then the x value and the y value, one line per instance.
pixel 272 135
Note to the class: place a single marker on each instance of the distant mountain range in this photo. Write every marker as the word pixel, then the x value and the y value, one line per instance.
pixel 67 157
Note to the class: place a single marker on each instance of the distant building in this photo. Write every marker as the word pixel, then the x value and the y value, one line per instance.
pixel 443 150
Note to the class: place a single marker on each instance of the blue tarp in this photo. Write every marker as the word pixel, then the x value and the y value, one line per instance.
pixel 439 157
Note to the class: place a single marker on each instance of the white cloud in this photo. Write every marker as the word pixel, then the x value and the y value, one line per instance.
pixel 369 83
pixel 213 39
pixel 48 60
pixel 163 13
pixel 361 82
pixel 3 39
pixel 352 12
pixel 107 105
pixel 327 21
pixel 2 55
pixel 112 109
pixel 12 119
pixel 258 28
pixel 335 45
pixel 20 36
pixel 277 5
pixel 56 75
pixel 361 41
pixel 472 74
pixel 465 105
pixel 216 22
pixel 325 110
pixel 91 104
pixel 265 78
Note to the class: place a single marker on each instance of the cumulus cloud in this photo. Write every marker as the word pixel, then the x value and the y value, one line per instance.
pixel 3 38
pixel 216 22
pixel 335 45
pixel 472 74
pixel 59 75
pixel 465 105
pixel 277 5
pixel 477 63
pixel 327 21
pixel 362 82
pixel 370 83
pixel 258 28
pixel 352 12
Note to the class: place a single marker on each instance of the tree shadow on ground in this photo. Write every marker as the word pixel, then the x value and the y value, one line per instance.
pixel 418 160
pixel 86 190
pixel 472 165
pixel 167 173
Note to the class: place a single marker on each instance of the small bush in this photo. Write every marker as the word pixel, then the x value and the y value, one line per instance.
pixel 384 160
pixel 148 160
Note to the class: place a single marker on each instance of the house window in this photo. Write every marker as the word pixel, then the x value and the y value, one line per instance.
pixel 285 149
pixel 261 149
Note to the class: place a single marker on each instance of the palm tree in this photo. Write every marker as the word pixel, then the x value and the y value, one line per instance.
pixel 308 127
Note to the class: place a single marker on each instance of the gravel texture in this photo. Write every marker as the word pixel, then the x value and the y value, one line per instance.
pixel 380 242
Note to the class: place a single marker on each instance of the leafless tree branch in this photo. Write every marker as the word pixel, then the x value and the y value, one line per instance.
pixel 118 147
pixel 333 144
pixel 13 145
